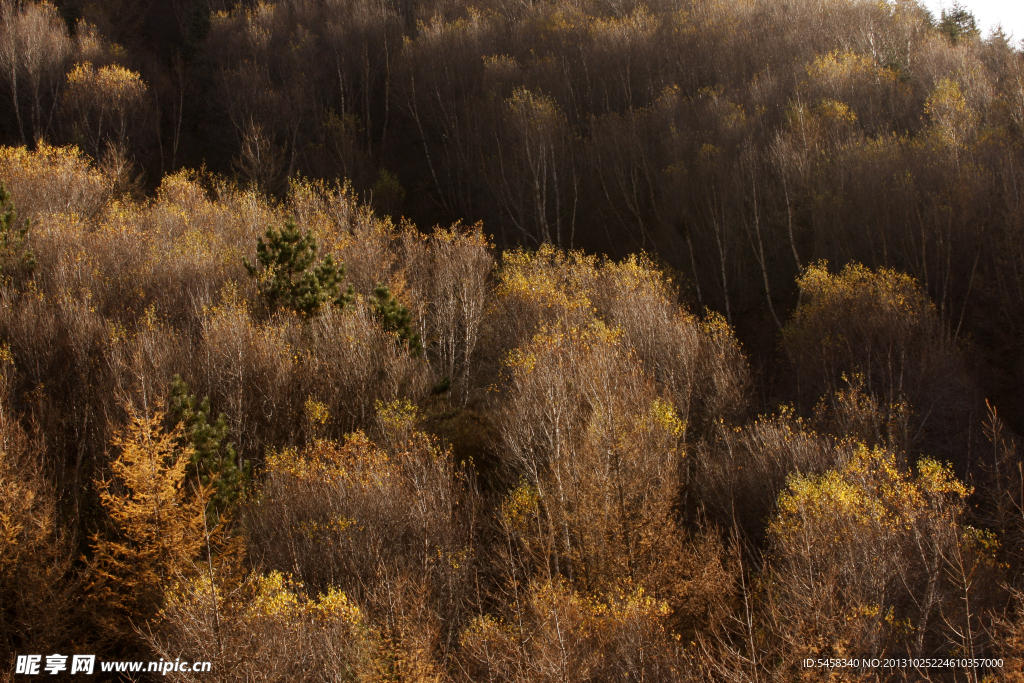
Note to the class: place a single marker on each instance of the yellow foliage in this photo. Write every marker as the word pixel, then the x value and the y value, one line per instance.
pixel 951 115
pixel 846 70
pixel 52 181
pixel 35 553
pixel 870 489
pixel 299 637
pixel 398 416
pixel 836 113
pixel 329 461
pixel 548 277
pixel 275 597
pixel 157 527
pixel 336 605
pixel 113 81
pixel 316 412
pixel 841 65
pixel 562 634
pixel 106 104
pixel 837 493
pixel 863 555
pixel 638 275
pixel 520 508
pixel 664 415
pixel 700 365
pixel 857 295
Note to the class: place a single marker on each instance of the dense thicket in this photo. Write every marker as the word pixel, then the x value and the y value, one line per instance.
pixel 246 416
pixel 476 465
pixel 739 141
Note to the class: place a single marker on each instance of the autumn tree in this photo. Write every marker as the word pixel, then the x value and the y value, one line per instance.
pixel 34 52
pixel 880 326
pixel 105 108
pixel 877 558
pixel 157 526
pixel 37 586
pixel 598 455
pixel 300 636
pixel 533 174
pixel 387 521
pixel 460 266
pixel 559 634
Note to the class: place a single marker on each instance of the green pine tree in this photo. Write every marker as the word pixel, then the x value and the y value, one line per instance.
pixel 396 318
pixel 16 258
pixel 214 462
pixel 958 23
pixel 286 274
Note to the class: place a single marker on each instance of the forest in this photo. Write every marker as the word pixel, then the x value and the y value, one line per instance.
pixel 585 341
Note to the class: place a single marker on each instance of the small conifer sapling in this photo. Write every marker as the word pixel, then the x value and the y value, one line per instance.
pixel 214 462
pixel 16 258
pixel 288 277
pixel 396 318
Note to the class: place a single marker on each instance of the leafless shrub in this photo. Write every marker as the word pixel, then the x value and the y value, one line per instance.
pixel 738 476
pixel 1010 639
pixel 389 524
pixel 247 368
pixel 33 57
pixel 598 453
pixel 354 364
pixel 262 626
pixel 261 160
pixel 56 343
pixel 557 634
pixel 52 180
pixel 879 325
pixel 457 268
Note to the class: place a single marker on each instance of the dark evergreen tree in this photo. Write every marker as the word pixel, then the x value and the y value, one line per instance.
pixel 396 318
pixel 16 258
pixel 214 462
pixel 958 23
pixel 286 274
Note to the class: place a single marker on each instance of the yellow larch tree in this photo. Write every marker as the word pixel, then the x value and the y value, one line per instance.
pixel 156 527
